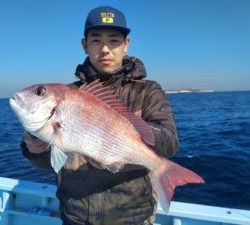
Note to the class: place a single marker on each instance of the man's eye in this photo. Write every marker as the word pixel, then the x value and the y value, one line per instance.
pixel 114 41
pixel 95 41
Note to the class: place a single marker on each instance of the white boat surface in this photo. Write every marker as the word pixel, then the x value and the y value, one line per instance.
pixel 33 203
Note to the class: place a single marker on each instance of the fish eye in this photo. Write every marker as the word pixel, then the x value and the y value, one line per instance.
pixel 40 91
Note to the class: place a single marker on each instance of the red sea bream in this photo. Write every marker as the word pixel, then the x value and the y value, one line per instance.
pixel 92 121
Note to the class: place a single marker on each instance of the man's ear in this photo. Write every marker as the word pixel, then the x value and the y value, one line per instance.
pixel 84 45
pixel 127 41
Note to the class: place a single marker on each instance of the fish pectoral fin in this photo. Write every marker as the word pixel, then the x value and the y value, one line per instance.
pixel 114 167
pixel 57 158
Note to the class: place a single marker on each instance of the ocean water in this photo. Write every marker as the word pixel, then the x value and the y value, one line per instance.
pixel 214 136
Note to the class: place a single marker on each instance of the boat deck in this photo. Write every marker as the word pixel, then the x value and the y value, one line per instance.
pixel 31 203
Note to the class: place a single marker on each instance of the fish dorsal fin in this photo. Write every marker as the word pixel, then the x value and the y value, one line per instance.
pixel 107 95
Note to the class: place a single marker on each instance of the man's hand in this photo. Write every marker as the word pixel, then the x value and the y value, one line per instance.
pixel 34 144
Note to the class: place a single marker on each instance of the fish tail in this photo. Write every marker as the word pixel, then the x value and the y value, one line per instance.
pixel 168 176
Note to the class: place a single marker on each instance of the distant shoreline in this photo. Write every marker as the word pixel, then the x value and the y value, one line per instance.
pixel 183 91
pixel 177 91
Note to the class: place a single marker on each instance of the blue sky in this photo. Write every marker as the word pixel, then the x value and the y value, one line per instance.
pixel 183 43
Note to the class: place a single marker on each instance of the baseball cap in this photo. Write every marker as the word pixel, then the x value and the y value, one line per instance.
pixel 106 16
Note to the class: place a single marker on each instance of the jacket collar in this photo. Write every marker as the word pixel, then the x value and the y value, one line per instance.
pixel 132 69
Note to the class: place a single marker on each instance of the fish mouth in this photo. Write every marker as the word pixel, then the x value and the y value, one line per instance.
pixel 16 100
pixel 13 99
pixel 14 104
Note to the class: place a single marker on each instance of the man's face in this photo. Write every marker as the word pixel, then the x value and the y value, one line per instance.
pixel 106 48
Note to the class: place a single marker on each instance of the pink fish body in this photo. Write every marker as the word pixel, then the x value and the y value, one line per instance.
pixel 93 122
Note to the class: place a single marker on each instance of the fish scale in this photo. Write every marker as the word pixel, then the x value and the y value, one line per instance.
pixel 108 146
pixel 104 129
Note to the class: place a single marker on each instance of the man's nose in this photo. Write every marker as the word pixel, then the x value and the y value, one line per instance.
pixel 105 48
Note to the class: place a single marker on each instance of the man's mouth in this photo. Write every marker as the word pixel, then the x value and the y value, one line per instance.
pixel 105 61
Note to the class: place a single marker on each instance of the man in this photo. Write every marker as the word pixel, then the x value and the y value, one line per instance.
pixel 89 194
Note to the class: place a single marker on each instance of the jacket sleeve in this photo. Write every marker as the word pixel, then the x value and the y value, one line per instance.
pixel 157 112
pixel 39 160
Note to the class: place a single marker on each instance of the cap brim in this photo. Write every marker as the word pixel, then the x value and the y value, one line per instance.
pixel 124 30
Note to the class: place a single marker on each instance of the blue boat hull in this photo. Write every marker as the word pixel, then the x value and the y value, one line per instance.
pixel 31 203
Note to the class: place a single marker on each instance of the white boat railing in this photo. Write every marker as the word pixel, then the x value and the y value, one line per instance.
pixel 32 203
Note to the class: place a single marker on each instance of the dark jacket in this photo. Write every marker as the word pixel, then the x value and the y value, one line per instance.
pixel 89 195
